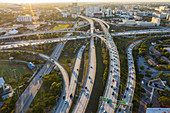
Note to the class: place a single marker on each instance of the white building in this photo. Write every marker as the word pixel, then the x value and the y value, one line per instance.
pixel 141 23
pixel 26 18
pixel 128 22
pixel 157 110
pixel 109 12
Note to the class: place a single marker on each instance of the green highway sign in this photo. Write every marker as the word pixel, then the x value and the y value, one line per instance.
pixel 103 98
pixel 110 37
pixel 110 100
pixel 104 36
pixel 123 102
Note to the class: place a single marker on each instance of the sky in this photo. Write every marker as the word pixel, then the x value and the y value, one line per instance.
pixel 49 1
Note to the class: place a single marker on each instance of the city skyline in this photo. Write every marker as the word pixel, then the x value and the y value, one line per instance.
pixel 52 1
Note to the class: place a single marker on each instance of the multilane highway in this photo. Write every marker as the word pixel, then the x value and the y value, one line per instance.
pixel 131 81
pixel 84 97
pixel 28 95
pixel 64 106
pixel 112 86
pixel 39 42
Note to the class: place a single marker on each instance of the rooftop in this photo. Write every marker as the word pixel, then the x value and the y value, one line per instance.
pixel 157 110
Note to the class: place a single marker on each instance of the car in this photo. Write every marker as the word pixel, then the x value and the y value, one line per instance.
pixel 77 69
pixel 113 93
pixel 124 96
pixel 75 81
pixel 102 108
pixel 91 67
pixel 127 88
pixel 89 77
pixel 63 97
pixel 65 101
pixel 104 111
pixel 71 95
pixel 86 94
pixel 111 86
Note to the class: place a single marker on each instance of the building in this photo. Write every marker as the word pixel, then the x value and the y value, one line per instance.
pixel 163 7
pixel 168 17
pixel 154 51
pixel 146 24
pixel 15 6
pixel 128 22
pixel 109 12
pixel 160 15
pixel 25 18
pixel 166 59
pixel 99 14
pixel 156 21
pixel 90 10
pixel 140 13
pixel 64 13
pixel 2 84
pixel 75 10
pixel 157 110
pixel 16 26
pixel 151 62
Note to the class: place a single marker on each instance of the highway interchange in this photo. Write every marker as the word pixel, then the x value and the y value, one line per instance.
pixel 69 86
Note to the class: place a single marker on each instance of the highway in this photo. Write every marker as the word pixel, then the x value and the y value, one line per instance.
pixel 131 81
pixel 112 86
pixel 36 83
pixel 67 30
pixel 64 106
pixel 28 95
pixel 84 96
pixel 146 31
pixel 40 42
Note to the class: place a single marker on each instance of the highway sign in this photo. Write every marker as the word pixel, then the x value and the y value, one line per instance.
pixel 110 37
pixel 123 102
pixel 104 36
pixel 103 98
pixel 110 100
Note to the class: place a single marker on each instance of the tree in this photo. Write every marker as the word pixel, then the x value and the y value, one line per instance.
pixel 37 108
pixel 164 100
pixel 142 67
pixel 68 61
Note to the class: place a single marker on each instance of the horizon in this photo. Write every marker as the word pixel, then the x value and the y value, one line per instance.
pixel 79 1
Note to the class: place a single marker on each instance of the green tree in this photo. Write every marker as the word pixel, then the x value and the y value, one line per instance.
pixel 37 108
pixel 142 67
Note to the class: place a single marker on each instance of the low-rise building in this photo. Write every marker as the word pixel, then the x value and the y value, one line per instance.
pixel 156 52
pixel 25 18
pixel 156 21
pixel 128 22
pixel 141 23
pixel 151 62
pixel 157 110
pixel 166 59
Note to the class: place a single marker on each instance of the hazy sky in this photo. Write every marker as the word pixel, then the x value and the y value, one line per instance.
pixel 45 1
